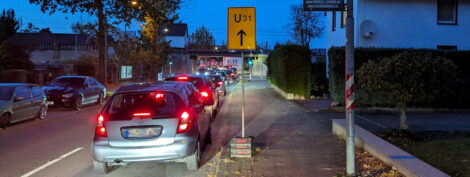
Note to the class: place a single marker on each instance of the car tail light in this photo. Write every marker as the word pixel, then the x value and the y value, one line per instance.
pixel 100 129
pixel 142 114
pixel 221 83
pixel 232 74
pixel 184 123
pixel 204 94
pixel 159 95
pixel 182 78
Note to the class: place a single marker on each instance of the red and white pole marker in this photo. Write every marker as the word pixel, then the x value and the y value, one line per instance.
pixel 349 92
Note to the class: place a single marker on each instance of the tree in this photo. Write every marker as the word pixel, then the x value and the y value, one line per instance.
pixel 116 11
pixel 9 24
pixel 406 78
pixel 85 28
pixel 202 38
pixel 30 28
pixel 305 25
pixel 14 57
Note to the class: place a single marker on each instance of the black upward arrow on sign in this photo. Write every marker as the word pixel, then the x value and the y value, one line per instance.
pixel 241 33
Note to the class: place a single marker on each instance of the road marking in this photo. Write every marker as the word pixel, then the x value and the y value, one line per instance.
pixel 51 162
pixel 372 122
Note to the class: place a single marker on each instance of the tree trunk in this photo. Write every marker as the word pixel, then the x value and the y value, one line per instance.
pixel 101 41
pixel 403 121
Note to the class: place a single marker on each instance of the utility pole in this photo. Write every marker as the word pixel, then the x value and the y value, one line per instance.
pixel 101 41
pixel 243 95
pixel 349 92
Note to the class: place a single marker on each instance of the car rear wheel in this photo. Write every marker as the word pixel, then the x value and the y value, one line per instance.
pixel 100 167
pixel 209 137
pixel 192 162
pixel 4 120
pixel 42 112
pixel 77 104
pixel 100 99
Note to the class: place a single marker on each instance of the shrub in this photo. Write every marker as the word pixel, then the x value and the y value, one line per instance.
pixel 289 69
pixel 406 78
pixel 456 96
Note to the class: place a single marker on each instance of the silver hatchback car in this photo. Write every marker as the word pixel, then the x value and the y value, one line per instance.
pixel 161 122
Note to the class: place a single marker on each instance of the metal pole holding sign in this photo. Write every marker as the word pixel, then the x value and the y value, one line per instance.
pixel 243 95
pixel 338 5
pixel 241 35
pixel 349 90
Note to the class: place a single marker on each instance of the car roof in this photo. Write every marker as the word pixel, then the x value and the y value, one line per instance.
pixel 15 84
pixel 83 77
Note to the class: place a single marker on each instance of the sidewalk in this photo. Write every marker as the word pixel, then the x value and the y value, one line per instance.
pixel 287 140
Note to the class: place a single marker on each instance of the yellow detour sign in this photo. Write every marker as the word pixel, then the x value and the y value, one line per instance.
pixel 241 30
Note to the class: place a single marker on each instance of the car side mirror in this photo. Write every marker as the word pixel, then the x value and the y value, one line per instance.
pixel 198 108
pixel 19 98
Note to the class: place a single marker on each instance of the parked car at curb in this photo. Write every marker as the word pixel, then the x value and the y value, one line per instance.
pixel 160 122
pixel 74 91
pixel 19 101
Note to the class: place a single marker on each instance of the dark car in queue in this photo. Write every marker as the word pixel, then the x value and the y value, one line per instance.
pixel 20 101
pixel 222 74
pixel 74 91
pixel 218 82
pixel 205 89
pixel 162 122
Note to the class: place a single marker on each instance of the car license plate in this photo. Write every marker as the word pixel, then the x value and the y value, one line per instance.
pixel 50 102
pixel 141 132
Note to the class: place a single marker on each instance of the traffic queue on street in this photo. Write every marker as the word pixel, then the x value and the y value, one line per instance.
pixel 164 121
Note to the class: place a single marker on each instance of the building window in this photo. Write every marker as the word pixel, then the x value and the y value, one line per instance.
pixel 333 27
pixel 447 12
pixel 343 18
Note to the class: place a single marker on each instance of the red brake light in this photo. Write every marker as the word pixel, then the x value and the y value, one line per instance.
pixel 100 119
pixel 232 74
pixel 184 123
pixel 159 95
pixel 181 78
pixel 221 83
pixel 100 129
pixel 204 94
pixel 142 114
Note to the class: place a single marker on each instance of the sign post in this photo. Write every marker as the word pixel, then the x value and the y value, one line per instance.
pixel 241 35
pixel 338 5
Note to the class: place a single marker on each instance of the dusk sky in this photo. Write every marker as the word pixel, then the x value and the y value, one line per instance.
pixel 272 18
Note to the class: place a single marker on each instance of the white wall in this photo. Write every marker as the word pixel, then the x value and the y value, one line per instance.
pixel 413 24
pixel 177 41
pixel 404 24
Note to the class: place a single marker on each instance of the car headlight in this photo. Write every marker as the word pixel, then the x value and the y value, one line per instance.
pixel 68 95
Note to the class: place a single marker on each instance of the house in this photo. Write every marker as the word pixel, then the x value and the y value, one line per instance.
pixel 430 24
pixel 177 35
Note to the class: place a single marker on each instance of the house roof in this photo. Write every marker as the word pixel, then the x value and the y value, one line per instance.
pixel 48 38
pixel 177 29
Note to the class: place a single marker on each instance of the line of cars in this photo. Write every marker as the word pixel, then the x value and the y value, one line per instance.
pixel 21 101
pixel 166 121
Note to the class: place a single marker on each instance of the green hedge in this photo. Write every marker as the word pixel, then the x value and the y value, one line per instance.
pixel 456 97
pixel 289 69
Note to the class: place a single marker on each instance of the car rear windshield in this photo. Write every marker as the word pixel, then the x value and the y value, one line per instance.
pixel 156 105
pixel 195 80
pixel 6 92
pixel 215 79
pixel 67 82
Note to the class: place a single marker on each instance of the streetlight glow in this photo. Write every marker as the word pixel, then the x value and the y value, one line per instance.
pixel 134 3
